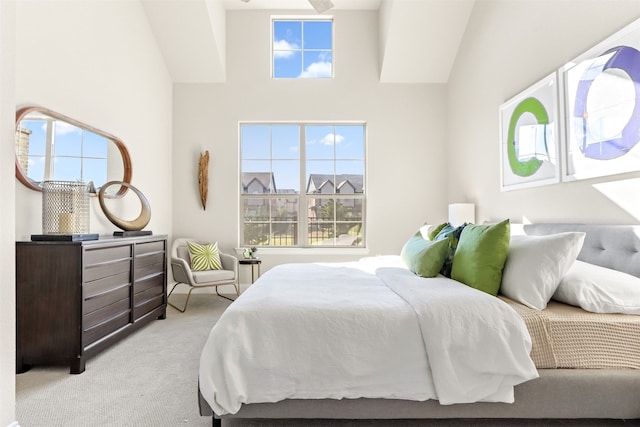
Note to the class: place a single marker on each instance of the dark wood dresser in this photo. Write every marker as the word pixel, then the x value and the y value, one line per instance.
pixel 74 299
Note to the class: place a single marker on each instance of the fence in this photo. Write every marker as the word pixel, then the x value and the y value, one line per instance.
pixel 261 232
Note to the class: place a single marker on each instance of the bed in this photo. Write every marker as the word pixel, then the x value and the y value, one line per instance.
pixel 364 384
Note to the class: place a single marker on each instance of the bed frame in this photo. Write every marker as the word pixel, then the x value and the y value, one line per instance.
pixel 558 393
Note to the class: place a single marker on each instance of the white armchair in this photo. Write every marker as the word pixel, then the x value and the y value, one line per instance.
pixel 181 269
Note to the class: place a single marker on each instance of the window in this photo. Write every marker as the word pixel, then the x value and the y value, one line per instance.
pixel 302 49
pixel 302 185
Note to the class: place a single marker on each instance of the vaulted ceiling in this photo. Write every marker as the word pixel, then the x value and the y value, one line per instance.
pixel 418 39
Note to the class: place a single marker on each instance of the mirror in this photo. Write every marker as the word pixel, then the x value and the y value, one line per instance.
pixel 51 146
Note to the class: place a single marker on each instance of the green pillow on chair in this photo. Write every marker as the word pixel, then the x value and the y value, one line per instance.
pixel 424 257
pixel 204 257
pixel 480 256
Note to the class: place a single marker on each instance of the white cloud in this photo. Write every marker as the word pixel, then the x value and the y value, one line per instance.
pixel 63 128
pixel 330 140
pixel 283 49
pixel 317 69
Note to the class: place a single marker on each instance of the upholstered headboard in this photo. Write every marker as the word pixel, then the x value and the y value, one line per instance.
pixel 612 246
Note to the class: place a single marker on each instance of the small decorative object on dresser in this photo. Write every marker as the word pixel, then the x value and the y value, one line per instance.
pixel 65 212
pixel 74 299
pixel 133 227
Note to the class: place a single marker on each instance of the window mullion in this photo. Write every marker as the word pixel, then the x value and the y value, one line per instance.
pixel 49 150
pixel 303 204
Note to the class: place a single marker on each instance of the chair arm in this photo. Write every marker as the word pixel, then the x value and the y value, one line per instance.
pixel 181 271
pixel 229 262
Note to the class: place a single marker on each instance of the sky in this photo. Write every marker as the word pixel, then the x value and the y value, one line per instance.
pixel 302 49
pixel 78 155
pixel 329 149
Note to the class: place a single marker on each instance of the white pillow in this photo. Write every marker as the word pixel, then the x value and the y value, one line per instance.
pixel 599 289
pixel 536 264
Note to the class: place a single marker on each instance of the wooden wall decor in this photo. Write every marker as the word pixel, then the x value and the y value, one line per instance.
pixel 203 178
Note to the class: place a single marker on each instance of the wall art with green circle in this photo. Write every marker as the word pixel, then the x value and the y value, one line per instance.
pixel 529 146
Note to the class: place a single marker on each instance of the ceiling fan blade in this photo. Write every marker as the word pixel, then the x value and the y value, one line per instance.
pixel 321 5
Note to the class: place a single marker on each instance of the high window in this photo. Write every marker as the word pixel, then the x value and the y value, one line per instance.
pixel 302 48
pixel 302 185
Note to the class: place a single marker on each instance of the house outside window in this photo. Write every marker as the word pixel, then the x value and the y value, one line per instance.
pixel 326 161
pixel 302 48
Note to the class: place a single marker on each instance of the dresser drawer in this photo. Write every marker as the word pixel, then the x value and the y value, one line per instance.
pixel 101 330
pixel 150 282
pixel 147 305
pixel 145 248
pixel 105 284
pixel 99 271
pixel 106 314
pixel 147 271
pixel 107 254
pixel 105 299
pixel 150 259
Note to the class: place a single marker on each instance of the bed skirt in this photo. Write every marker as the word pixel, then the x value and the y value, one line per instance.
pixel 558 393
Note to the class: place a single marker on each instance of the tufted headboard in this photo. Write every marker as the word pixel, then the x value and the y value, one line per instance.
pixel 612 246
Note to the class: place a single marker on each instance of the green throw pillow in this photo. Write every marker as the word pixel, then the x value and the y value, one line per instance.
pixel 424 257
pixel 204 257
pixel 480 256
pixel 451 234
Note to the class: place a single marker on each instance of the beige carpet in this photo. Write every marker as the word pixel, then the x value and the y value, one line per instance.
pixel 150 379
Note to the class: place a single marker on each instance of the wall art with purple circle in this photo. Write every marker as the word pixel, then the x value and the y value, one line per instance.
pixel 602 108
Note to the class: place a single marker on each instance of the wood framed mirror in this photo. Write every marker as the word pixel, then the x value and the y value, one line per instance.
pixel 51 146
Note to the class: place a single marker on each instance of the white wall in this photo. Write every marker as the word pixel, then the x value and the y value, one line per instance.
pixel 507 47
pixel 98 62
pixel 406 134
pixel 7 218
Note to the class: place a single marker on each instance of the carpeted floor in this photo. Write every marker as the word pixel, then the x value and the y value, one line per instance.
pixel 150 379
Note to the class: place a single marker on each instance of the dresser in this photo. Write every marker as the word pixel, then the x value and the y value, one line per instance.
pixel 74 299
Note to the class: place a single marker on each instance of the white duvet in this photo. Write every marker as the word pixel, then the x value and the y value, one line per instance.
pixel 365 329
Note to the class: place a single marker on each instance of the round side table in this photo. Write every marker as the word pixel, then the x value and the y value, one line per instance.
pixel 252 262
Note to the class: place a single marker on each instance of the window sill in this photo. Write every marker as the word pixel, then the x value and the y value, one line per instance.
pixel 312 251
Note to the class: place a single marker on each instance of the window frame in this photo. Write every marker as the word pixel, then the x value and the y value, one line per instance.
pixel 302 196
pixel 302 19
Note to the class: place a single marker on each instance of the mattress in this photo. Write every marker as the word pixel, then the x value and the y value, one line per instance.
pixel 564 336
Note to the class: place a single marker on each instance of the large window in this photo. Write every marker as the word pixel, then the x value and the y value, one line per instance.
pixel 302 49
pixel 302 185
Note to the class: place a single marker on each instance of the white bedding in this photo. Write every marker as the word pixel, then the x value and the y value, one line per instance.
pixel 363 329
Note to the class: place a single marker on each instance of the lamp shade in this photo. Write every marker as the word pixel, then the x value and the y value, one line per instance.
pixel 460 213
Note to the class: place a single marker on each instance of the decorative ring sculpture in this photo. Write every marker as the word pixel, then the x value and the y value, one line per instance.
pixel 134 225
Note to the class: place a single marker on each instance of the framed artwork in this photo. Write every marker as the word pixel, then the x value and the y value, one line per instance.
pixel 528 137
pixel 602 108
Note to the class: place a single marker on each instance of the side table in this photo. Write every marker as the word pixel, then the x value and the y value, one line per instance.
pixel 252 262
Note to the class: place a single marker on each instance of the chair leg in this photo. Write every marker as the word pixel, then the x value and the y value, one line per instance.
pixel 183 309
pixel 174 286
pixel 220 295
